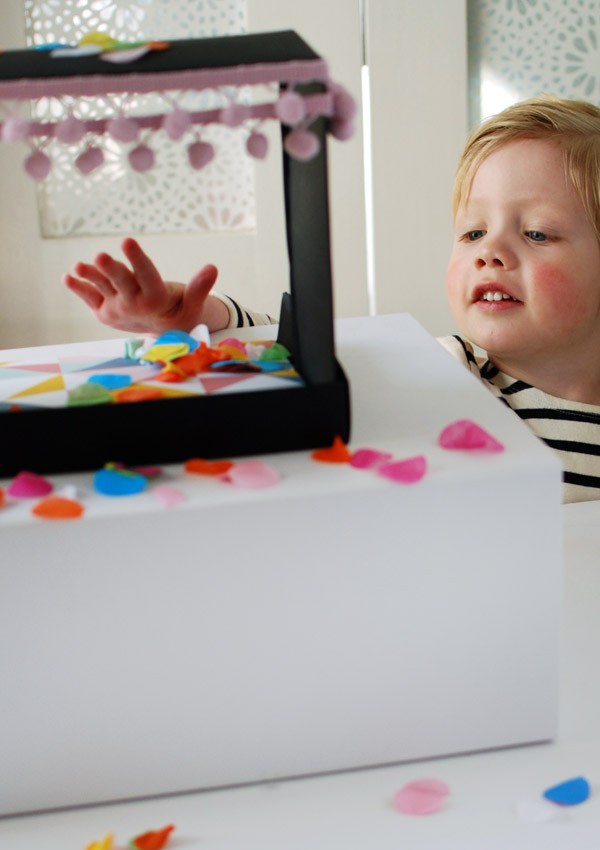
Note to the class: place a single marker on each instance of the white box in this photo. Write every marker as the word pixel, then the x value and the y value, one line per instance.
pixel 334 621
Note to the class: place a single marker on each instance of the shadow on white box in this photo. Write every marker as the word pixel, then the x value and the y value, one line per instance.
pixel 335 621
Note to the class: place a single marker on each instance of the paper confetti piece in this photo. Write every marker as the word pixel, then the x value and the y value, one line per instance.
pixel 569 793
pixel 168 496
pixel 153 840
pixel 407 471
pixel 336 453
pixel 105 844
pixel 139 394
pixel 2 498
pixel 148 471
pixel 110 382
pixel 118 482
pixel 252 475
pixel 465 434
pixel 89 393
pixel 200 466
pixel 369 458
pixel 421 797
pixel 29 485
pixel 58 507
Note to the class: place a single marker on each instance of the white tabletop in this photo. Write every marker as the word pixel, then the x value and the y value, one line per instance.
pixel 353 810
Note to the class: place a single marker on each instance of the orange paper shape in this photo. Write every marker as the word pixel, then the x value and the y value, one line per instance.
pixel 337 452
pixel 200 466
pixel 139 394
pixel 58 507
pixel 153 840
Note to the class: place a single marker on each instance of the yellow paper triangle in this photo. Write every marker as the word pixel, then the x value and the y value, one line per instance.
pixel 50 386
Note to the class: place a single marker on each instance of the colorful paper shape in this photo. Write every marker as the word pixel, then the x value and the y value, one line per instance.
pixel 200 466
pixel 336 453
pixel 118 482
pixel 152 840
pixel 407 471
pixel 421 797
pixel 58 507
pixel 252 475
pixel 569 793
pixel 465 434
pixel 369 458
pixel 29 485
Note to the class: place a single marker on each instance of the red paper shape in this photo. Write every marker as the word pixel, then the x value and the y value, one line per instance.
pixel 337 452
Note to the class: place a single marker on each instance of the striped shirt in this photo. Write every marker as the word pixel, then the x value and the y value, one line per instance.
pixel 240 317
pixel 571 428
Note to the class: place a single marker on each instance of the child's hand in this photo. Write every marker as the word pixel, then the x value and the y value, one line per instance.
pixel 140 301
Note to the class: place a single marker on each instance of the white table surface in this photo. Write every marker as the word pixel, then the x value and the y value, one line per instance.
pixel 353 810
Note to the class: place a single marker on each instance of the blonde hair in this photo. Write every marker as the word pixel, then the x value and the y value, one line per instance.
pixel 574 125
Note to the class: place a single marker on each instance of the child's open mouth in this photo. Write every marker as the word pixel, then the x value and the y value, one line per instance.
pixel 497 296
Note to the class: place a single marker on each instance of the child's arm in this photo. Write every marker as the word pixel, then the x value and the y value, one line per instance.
pixel 138 300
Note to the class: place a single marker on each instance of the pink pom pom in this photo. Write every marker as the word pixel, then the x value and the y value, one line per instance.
pixel 341 129
pixel 344 105
pixel 89 160
pixel 290 108
pixel 14 129
pixel 38 165
pixel 301 144
pixel 233 115
pixel 70 131
pixel 176 123
pixel 200 154
pixel 257 145
pixel 141 158
pixel 123 129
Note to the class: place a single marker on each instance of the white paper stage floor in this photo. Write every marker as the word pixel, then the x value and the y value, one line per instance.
pixel 336 620
pixel 53 376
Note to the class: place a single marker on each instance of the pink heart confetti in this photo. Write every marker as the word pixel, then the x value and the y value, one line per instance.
pixel 252 475
pixel 169 496
pixel 369 458
pixel 421 797
pixel 29 485
pixel 407 471
pixel 465 434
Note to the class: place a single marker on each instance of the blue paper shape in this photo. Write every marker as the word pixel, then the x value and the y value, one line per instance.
pixel 174 336
pixel 114 482
pixel 110 382
pixel 569 793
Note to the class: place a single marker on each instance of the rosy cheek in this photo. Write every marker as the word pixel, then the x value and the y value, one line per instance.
pixel 557 293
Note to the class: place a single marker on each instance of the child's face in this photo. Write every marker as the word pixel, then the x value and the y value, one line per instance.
pixel 524 274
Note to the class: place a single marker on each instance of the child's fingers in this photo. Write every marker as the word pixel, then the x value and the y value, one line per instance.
pixel 200 285
pixel 147 275
pixel 122 279
pixel 88 293
pixel 94 276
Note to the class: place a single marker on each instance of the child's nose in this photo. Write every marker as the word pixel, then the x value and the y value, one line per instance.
pixel 494 252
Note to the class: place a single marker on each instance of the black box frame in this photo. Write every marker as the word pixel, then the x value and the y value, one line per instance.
pixel 245 423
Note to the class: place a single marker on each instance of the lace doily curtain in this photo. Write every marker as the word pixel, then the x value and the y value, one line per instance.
pixel 522 48
pixel 171 198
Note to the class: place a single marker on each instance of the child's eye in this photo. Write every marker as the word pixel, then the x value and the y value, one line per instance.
pixel 536 235
pixel 473 235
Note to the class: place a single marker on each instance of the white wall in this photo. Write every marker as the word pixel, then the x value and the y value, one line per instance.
pixel 417 55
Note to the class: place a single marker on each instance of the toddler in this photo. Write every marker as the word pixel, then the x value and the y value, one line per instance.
pixel 523 280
